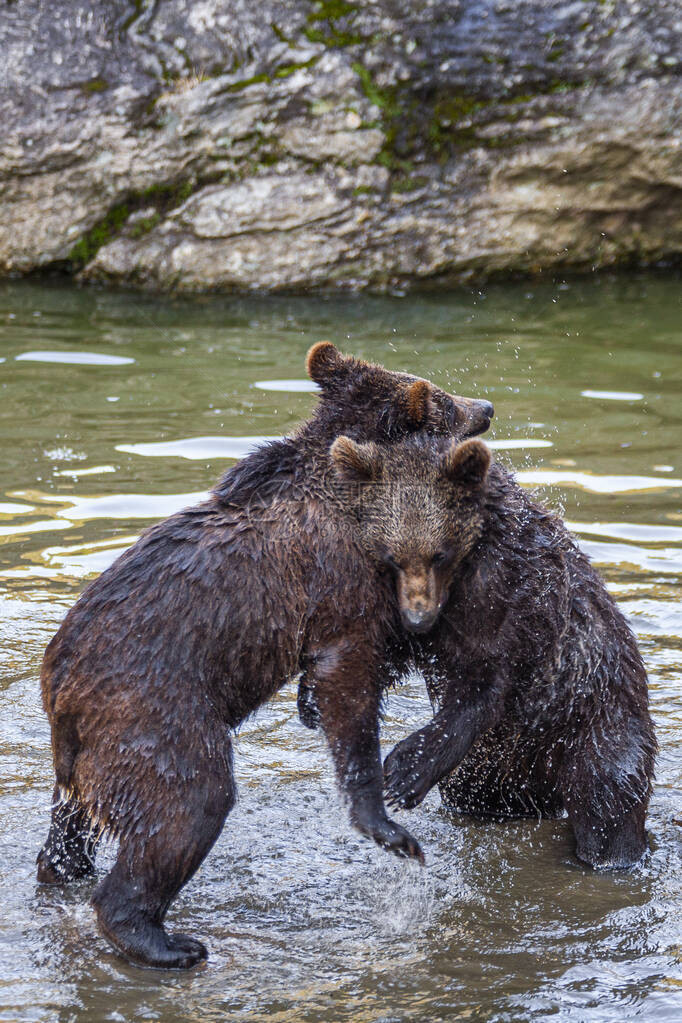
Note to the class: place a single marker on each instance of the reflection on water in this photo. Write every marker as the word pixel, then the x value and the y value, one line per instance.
pixel 74 358
pixel 597 484
pixel 285 385
pixel 201 448
pixel 613 395
pixel 304 920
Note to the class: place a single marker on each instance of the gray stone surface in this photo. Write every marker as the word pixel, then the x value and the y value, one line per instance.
pixel 209 144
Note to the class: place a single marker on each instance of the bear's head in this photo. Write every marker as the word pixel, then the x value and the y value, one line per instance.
pixel 420 506
pixel 370 403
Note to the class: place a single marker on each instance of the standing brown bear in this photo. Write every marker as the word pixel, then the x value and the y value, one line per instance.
pixel 200 622
pixel 539 688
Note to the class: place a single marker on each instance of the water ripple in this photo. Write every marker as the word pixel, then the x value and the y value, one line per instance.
pixel 75 358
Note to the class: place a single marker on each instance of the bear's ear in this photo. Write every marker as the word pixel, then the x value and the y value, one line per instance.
pixel 358 462
pixel 323 362
pixel 418 402
pixel 467 463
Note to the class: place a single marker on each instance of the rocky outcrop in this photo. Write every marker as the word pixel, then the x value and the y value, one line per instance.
pixel 287 144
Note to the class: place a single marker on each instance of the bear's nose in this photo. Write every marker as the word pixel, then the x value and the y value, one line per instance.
pixel 418 621
pixel 488 408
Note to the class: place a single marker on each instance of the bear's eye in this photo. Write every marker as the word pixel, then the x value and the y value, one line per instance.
pixel 441 557
pixel 388 559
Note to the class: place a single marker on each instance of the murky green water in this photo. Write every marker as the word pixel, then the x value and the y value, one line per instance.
pixel 305 920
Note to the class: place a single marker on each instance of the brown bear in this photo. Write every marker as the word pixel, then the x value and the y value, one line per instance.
pixel 200 622
pixel 539 689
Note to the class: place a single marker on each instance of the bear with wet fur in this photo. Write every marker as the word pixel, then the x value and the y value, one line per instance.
pixel 201 621
pixel 539 689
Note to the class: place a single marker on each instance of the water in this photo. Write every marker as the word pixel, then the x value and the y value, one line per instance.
pixel 116 410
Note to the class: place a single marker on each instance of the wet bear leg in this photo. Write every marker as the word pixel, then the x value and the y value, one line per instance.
pixel 132 901
pixel 69 851
pixel 428 756
pixel 616 843
pixel 606 796
pixel 348 696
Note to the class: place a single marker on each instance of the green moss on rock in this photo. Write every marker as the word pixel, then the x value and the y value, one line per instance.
pixel 144 225
pixel 163 197
pixel 438 124
pixel 331 22
pixel 99 234
pixel 94 85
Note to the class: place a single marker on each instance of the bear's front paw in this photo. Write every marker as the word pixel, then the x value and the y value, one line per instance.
pixel 393 838
pixel 407 774
pixel 386 833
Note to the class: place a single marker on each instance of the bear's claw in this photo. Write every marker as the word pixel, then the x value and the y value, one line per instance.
pixel 389 835
pixel 397 840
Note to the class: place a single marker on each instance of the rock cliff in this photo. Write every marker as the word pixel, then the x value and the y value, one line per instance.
pixel 285 144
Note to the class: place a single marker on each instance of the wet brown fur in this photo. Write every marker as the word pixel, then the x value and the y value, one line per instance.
pixel 539 689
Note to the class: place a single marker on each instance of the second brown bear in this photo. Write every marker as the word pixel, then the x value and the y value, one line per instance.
pixel 539 689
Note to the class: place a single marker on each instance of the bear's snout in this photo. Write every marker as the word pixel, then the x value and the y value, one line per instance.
pixel 481 412
pixel 418 620
pixel 418 598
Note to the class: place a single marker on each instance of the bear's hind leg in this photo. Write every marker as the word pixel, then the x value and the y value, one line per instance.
pixel 606 786
pixel 132 901
pixel 69 851
pixel 614 843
